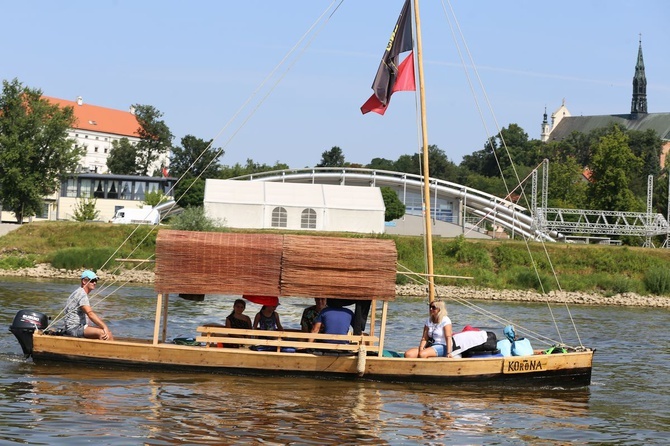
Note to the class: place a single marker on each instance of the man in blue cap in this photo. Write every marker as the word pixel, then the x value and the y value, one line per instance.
pixel 78 308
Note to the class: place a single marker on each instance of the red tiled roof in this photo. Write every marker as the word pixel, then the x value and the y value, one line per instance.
pixel 100 119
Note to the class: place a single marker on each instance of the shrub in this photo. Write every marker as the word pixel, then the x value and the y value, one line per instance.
pixel 84 210
pixel 506 256
pixel 471 253
pixel 524 278
pixel 17 262
pixel 657 280
pixel 195 219
pixel 80 258
pixel 154 198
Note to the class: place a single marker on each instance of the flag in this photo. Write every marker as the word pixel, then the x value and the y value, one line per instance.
pixel 391 76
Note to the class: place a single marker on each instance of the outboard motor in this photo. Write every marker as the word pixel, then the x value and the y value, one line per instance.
pixel 24 325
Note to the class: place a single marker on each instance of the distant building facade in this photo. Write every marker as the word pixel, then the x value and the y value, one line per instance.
pixel 94 130
pixel 563 124
pixel 317 207
pixel 111 192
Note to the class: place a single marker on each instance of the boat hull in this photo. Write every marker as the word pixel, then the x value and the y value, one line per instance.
pixel 562 369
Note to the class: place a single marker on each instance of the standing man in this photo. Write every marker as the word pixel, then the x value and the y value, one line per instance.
pixel 78 308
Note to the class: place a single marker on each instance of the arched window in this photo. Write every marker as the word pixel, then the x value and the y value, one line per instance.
pixel 279 218
pixel 308 219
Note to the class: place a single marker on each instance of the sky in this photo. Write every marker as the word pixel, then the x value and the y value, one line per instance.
pixel 205 63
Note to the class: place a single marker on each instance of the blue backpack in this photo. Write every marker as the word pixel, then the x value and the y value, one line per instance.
pixel 521 346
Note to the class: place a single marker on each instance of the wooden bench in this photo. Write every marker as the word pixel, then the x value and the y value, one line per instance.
pixel 287 338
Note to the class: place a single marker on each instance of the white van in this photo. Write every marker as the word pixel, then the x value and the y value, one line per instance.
pixel 144 216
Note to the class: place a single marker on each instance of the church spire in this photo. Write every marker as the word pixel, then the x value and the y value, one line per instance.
pixel 639 103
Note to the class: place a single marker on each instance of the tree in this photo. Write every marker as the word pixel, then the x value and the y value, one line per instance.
pixel 493 158
pixel 381 164
pixel 612 161
pixel 567 188
pixel 34 148
pixel 190 192
pixel 195 157
pixel 85 210
pixel 155 137
pixel 122 159
pixel 251 167
pixel 394 207
pixel 154 198
pixel 332 158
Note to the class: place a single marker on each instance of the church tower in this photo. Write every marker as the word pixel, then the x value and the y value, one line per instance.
pixel 544 136
pixel 638 105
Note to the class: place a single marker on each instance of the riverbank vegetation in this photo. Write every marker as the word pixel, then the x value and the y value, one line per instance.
pixel 493 264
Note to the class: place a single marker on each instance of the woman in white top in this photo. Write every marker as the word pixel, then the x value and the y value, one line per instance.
pixel 436 339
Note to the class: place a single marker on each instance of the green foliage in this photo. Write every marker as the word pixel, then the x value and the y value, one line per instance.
pixel 14 262
pixel 657 280
pixel 506 256
pixel 85 210
pixel 394 207
pixel 122 159
pixel 468 252
pixel 195 219
pixel 190 192
pixel 83 257
pixel 195 157
pixel 34 148
pixel 155 137
pixel 332 158
pixel 527 278
pixel 249 168
pixel 154 198
pixel 611 165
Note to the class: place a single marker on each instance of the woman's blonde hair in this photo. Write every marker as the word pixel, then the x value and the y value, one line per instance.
pixel 441 311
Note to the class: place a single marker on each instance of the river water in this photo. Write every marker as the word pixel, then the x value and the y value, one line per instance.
pixel 628 401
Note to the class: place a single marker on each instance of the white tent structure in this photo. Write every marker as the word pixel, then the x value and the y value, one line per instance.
pixel 319 207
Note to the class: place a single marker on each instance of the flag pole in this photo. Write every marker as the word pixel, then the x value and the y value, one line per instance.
pixel 424 150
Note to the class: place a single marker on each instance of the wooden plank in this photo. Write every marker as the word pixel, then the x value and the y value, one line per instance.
pixel 382 330
pixel 157 322
pixel 281 343
pixel 166 301
pixel 285 334
pixel 135 260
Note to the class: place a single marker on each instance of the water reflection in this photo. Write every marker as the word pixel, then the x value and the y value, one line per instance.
pixel 63 404
pixel 164 408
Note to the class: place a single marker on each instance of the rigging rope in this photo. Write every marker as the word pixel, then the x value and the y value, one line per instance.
pixel 490 140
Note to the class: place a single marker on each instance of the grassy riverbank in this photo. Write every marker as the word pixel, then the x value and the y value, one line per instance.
pixel 493 264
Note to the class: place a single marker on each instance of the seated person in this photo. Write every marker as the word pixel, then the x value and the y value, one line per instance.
pixel 78 312
pixel 236 319
pixel 335 319
pixel 267 319
pixel 436 338
pixel 310 314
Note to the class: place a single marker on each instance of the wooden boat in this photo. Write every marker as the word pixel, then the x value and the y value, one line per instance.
pixel 295 266
pixel 291 266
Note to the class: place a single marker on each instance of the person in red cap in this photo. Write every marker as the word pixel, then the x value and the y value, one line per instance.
pixel 78 309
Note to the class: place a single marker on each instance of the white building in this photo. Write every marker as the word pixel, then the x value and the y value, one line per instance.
pixel 319 207
pixel 96 128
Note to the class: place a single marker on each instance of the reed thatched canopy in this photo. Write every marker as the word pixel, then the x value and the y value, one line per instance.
pixel 275 265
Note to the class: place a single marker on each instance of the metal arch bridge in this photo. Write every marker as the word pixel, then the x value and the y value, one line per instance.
pixel 513 218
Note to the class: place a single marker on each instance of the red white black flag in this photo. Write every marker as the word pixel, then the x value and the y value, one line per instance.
pixel 391 76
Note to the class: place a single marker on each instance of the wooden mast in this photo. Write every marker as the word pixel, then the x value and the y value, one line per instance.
pixel 424 151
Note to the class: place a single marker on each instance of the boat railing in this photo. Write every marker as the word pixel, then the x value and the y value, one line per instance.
pixel 214 336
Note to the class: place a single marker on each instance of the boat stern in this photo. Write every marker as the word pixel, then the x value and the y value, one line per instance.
pixel 24 325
